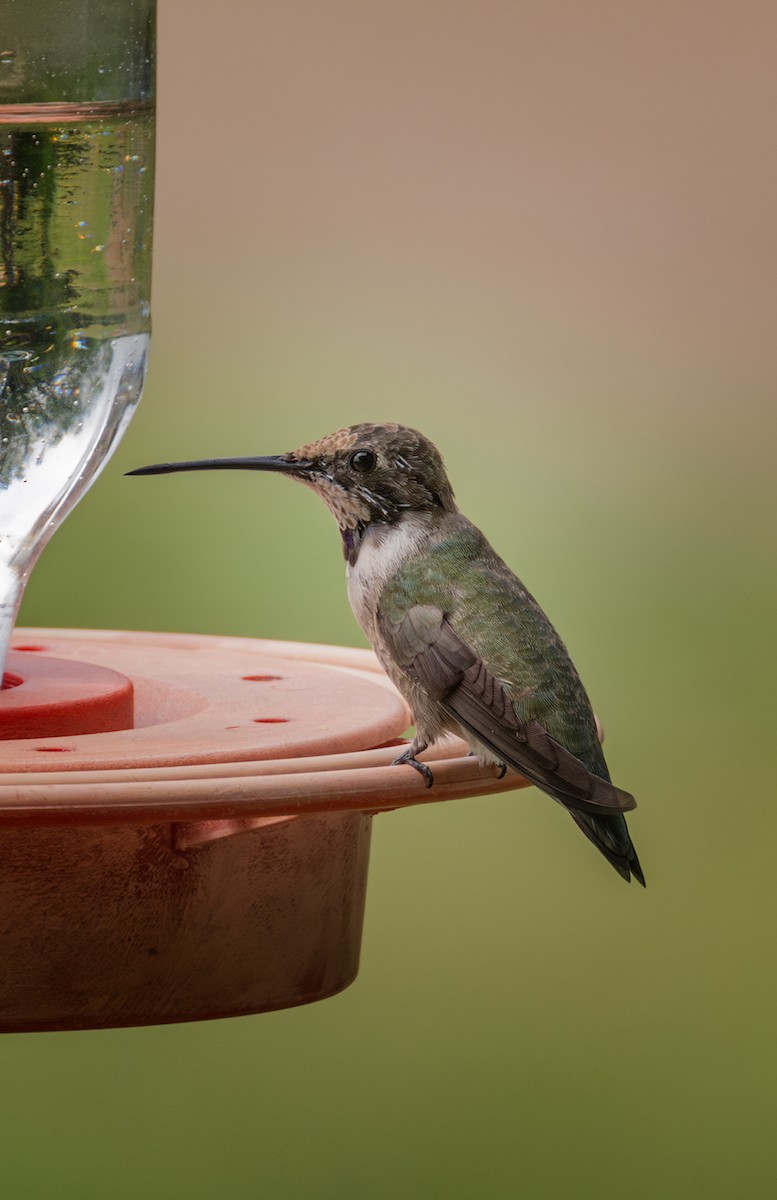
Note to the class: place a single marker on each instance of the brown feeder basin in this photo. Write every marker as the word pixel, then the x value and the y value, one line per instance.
pixel 185 823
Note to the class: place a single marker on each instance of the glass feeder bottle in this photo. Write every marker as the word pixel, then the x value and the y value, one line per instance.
pixel 76 196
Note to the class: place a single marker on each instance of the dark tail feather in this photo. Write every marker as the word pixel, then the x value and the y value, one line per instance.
pixel 611 838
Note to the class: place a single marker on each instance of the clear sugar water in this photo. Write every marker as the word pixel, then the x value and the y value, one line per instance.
pixel 76 193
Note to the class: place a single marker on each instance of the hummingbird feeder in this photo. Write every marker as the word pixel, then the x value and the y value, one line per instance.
pixel 184 821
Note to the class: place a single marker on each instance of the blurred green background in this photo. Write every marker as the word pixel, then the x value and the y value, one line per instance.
pixel 544 235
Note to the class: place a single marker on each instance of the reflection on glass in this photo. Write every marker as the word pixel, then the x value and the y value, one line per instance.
pixel 76 192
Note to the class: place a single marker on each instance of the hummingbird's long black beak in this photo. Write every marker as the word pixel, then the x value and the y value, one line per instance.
pixel 271 462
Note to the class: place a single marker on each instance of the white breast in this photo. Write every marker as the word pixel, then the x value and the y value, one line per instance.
pixel 383 551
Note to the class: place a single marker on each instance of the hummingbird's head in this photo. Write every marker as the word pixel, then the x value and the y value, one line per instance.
pixel 364 474
pixel 374 473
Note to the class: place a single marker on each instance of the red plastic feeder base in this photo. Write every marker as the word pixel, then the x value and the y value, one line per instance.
pixel 113 925
pixel 208 858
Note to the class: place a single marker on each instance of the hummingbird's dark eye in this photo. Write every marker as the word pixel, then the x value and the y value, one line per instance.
pixel 363 461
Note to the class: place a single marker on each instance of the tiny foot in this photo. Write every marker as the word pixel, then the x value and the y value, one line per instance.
pixel 409 759
pixel 502 766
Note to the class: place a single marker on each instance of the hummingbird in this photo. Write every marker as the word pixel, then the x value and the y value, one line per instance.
pixel 457 632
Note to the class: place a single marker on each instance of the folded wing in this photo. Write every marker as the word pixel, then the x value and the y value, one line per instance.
pixel 434 655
